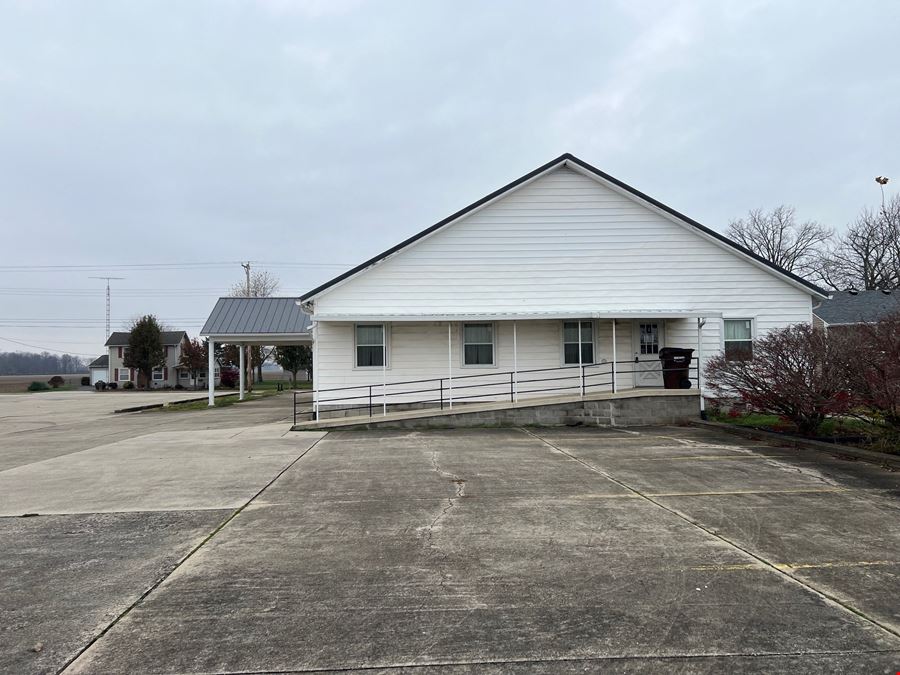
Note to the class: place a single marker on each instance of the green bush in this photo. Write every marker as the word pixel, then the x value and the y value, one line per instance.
pixel 85 381
pixel 38 386
pixel 56 381
pixel 128 385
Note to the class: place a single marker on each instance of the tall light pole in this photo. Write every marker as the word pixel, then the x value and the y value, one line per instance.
pixel 107 300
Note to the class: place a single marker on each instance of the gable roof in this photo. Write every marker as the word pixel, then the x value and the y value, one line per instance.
pixel 572 161
pixel 100 362
pixel 849 307
pixel 169 337
pixel 256 316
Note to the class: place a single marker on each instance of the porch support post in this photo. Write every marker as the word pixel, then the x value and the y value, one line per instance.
pixel 614 384
pixel 211 372
pixel 515 364
pixel 700 324
pixel 450 359
pixel 315 373
pixel 241 378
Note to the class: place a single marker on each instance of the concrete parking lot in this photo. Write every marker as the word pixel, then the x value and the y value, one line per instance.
pixel 189 547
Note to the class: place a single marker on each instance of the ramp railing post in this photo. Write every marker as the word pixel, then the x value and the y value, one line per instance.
pixel 370 400
pixel 512 389
pixel 442 393
pixel 582 380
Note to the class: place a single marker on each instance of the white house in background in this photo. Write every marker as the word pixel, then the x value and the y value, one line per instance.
pixel 167 375
pixel 566 278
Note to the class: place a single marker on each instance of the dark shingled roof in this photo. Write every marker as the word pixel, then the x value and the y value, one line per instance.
pixel 100 362
pixel 863 306
pixel 256 316
pixel 169 337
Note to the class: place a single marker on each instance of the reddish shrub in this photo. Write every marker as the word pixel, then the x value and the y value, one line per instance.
pixel 794 373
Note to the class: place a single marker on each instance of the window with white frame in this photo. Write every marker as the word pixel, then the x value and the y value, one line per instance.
pixel 578 342
pixel 478 344
pixel 216 371
pixel 370 345
pixel 124 375
pixel 183 375
pixel 738 339
pixel 157 374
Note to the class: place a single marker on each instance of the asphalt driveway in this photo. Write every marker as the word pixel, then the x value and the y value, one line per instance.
pixel 500 550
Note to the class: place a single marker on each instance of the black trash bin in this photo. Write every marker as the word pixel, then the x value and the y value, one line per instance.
pixel 676 363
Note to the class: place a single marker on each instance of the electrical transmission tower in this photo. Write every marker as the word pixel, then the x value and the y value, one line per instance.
pixel 107 300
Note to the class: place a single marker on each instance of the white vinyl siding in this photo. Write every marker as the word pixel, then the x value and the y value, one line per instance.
pixel 564 243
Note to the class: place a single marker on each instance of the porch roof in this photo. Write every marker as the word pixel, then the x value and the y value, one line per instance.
pixel 527 316
pixel 268 321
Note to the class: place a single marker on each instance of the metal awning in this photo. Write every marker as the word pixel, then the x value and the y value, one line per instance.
pixel 528 316
pixel 268 321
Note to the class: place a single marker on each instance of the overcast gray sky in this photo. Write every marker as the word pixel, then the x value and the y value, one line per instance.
pixel 324 131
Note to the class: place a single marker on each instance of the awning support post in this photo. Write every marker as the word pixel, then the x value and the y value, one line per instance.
pixel 515 365
pixel 614 383
pixel 242 377
pixel 700 324
pixel 450 361
pixel 211 372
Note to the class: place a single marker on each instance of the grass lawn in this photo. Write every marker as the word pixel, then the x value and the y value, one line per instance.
pixel 272 385
pixel 833 426
pixel 220 401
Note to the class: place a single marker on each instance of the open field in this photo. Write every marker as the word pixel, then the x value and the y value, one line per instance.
pixel 18 384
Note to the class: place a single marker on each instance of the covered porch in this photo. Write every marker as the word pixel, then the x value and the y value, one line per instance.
pixel 376 363
pixel 247 322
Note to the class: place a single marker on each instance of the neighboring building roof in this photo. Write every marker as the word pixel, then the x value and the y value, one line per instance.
pixel 256 316
pixel 100 362
pixel 571 160
pixel 169 337
pixel 848 307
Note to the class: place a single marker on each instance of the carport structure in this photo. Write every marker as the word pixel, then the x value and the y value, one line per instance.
pixel 253 321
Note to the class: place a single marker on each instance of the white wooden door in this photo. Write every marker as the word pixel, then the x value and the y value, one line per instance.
pixel 648 337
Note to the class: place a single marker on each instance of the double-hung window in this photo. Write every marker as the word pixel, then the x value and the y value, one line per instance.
pixel 738 339
pixel 157 374
pixel 124 375
pixel 370 345
pixel 578 342
pixel 478 344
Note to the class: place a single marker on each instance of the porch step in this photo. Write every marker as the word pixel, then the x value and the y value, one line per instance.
pixel 629 408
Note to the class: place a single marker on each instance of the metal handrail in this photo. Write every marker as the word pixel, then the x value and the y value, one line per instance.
pixel 375 391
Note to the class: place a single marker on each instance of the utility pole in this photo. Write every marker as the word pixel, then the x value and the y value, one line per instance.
pixel 246 267
pixel 107 300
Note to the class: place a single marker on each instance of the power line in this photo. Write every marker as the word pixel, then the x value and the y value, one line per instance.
pixel 46 349
pixel 169 265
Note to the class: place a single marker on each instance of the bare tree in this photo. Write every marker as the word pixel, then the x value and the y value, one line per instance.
pixel 779 238
pixel 262 285
pixel 867 255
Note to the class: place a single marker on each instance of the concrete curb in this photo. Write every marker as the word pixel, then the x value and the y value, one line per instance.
pixel 152 406
pixel 880 458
